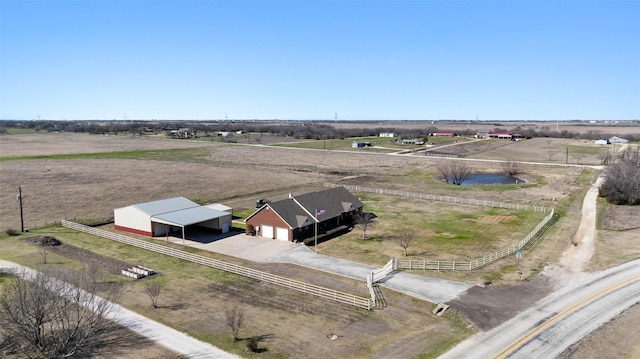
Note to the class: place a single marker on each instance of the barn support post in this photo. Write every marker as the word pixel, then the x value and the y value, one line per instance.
pixel 183 235
pixel 166 231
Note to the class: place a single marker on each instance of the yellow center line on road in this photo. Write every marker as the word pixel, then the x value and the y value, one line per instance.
pixel 537 330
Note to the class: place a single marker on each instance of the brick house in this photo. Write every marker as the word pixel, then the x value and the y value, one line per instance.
pixel 294 218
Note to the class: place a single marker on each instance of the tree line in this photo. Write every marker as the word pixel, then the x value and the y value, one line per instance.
pixel 297 129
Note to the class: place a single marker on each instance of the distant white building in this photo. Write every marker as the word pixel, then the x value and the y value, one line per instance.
pixel 388 134
pixel 602 142
pixel 414 141
pixel 616 139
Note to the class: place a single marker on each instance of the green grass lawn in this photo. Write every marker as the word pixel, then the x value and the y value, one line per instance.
pixel 178 155
pixel 19 131
pixel 440 231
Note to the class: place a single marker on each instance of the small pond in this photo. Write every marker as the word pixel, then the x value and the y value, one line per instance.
pixel 490 178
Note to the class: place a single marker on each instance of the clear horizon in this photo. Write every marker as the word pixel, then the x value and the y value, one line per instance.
pixel 311 60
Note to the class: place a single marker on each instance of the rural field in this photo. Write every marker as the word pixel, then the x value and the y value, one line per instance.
pixel 84 177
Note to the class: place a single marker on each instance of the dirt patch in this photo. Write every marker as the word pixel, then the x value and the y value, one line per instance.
pixel 93 260
pixel 487 307
pixel 496 219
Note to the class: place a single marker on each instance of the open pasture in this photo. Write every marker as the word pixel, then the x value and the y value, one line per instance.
pixel 439 231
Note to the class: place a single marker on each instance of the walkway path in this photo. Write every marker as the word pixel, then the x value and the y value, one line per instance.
pixel 170 338
pixel 434 290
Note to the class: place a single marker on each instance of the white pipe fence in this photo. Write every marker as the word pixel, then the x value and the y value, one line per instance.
pixel 351 299
pixel 433 197
pixel 476 263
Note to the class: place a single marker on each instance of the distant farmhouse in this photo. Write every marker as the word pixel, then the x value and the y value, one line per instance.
pixel 294 219
pixel 500 135
pixel 178 215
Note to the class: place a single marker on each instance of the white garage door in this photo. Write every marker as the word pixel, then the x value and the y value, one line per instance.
pixel 267 231
pixel 282 233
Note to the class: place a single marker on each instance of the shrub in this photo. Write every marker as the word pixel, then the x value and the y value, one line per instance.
pixel 48 241
pixel 252 345
pixel 11 231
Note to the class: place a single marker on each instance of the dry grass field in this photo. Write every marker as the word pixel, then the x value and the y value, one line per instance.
pixel 75 185
pixel 611 128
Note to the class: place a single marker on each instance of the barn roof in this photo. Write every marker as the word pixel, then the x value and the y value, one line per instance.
pixel 219 207
pixel 189 216
pixel 165 205
pixel 179 211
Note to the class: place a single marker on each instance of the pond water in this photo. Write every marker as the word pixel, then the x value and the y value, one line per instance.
pixel 490 178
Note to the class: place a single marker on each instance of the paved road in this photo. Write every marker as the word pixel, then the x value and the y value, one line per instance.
pixel 581 305
pixel 434 290
pixel 168 337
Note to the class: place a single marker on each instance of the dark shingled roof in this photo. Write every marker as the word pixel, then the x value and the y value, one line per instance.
pixel 296 211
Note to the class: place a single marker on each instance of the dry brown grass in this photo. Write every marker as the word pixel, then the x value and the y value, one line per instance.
pixel 237 175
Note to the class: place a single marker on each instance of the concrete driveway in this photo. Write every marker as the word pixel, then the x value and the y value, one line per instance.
pixel 239 245
pixel 260 249
pixel 434 290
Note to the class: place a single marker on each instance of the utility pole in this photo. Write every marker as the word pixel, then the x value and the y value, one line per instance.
pixel 19 198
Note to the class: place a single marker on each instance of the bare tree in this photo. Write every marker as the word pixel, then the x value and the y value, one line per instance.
pixel 362 221
pixel 235 319
pixel 605 158
pixel 550 150
pixel 153 291
pixel 577 158
pixel 56 314
pixel 622 181
pixel 510 168
pixel 454 172
pixel 404 239
pixel 44 253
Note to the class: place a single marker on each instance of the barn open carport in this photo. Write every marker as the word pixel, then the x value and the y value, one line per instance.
pixel 196 218
pixel 173 217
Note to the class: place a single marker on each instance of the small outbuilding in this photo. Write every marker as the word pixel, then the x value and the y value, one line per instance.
pixel 616 139
pixel 295 218
pixel 172 215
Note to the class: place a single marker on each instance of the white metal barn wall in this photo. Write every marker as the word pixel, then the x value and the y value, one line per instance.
pixel 131 217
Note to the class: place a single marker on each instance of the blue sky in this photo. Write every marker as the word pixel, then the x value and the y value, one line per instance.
pixel 364 60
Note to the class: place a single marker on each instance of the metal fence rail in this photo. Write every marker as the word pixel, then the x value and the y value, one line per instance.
pixel 307 288
pixel 476 263
pixel 433 197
